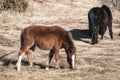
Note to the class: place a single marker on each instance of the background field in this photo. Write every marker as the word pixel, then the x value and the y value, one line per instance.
pixel 94 62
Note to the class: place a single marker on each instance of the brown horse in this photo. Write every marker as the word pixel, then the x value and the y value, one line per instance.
pixel 47 38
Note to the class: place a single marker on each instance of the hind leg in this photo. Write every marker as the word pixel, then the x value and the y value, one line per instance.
pixel 20 54
pixel 24 48
pixel 103 30
pixel 49 59
pixel 94 37
pixel 30 58
pixel 90 29
pixel 110 30
pixel 30 53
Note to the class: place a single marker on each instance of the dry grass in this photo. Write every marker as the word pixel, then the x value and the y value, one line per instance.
pixel 94 62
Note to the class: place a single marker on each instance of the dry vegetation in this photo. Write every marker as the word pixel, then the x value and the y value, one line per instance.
pixel 16 5
pixel 94 62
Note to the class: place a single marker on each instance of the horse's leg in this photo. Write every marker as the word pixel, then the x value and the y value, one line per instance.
pixel 57 58
pixel 30 57
pixel 103 30
pixel 96 37
pixel 51 54
pixel 24 48
pixel 90 29
pixel 30 53
pixel 20 54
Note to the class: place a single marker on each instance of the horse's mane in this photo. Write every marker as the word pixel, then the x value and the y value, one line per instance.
pixel 70 42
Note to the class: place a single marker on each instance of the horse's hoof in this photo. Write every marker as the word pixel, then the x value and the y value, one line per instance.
pixel 47 68
pixel 73 68
pixel 17 68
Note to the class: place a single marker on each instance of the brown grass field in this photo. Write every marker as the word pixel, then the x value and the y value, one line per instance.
pixel 94 62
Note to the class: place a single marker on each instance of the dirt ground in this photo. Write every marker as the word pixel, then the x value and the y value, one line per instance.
pixel 94 62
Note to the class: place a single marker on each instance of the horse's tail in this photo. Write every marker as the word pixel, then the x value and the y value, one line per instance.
pixel 22 37
pixel 109 20
pixel 108 11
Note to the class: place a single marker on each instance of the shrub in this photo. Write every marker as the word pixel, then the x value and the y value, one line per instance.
pixel 17 5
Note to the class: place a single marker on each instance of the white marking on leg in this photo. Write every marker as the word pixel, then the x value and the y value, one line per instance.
pixel 19 62
pixel 47 64
pixel 47 68
pixel 73 61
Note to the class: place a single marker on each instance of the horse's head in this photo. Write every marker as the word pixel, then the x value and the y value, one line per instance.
pixel 70 50
pixel 71 57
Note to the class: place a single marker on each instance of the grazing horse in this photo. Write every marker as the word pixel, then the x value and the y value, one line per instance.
pixel 51 38
pixel 99 18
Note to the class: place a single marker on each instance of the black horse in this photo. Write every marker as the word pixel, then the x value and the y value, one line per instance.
pixel 99 18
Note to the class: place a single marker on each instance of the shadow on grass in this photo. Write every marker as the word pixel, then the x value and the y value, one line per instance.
pixel 81 34
pixel 7 61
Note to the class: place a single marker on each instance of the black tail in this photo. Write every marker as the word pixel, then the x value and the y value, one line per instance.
pixel 109 20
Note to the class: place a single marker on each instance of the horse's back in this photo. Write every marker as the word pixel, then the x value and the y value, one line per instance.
pixel 46 37
pixel 43 29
